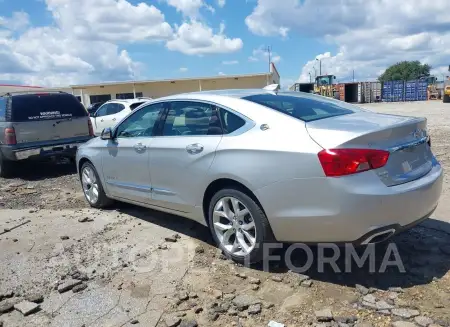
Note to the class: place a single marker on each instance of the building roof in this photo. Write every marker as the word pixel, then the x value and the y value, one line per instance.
pixel 172 80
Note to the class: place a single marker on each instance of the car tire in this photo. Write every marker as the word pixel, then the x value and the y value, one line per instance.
pixel 90 183
pixel 256 214
pixel 6 167
pixel 446 98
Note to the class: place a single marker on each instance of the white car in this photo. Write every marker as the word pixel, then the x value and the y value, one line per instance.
pixel 111 112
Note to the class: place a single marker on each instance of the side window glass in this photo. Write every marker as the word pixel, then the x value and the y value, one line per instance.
pixel 230 121
pixel 103 110
pixel 141 123
pixel 119 107
pixel 191 118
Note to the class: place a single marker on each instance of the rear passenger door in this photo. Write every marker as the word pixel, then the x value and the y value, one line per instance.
pixel 181 156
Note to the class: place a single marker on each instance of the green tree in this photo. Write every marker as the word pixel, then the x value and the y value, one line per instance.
pixel 405 70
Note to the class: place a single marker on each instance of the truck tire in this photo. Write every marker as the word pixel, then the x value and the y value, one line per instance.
pixel 446 98
pixel 6 167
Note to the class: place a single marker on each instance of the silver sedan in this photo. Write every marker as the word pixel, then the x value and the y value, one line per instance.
pixel 257 166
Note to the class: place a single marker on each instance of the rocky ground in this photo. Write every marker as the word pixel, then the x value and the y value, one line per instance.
pixel 64 264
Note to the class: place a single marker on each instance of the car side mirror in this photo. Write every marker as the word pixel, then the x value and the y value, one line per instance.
pixel 106 134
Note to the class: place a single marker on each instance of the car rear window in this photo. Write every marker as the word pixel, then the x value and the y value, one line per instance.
pixel 135 105
pixel 35 107
pixel 305 107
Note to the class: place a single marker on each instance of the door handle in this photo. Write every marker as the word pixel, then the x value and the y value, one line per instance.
pixel 101 121
pixel 140 147
pixel 194 148
pixel 114 119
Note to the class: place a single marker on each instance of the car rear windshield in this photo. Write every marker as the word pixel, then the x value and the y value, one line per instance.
pixel 306 107
pixel 135 105
pixel 35 107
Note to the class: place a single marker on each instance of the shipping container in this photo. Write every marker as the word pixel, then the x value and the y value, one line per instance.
pixel 341 89
pixel 351 92
pixel 366 92
pixel 386 95
pixel 375 91
pixel 422 91
pixel 360 93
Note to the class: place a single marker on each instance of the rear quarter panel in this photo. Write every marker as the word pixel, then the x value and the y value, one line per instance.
pixel 259 158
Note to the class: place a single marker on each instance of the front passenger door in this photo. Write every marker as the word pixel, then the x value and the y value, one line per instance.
pixel 181 156
pixel 126 161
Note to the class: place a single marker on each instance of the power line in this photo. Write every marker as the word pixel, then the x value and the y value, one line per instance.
pixel 268 49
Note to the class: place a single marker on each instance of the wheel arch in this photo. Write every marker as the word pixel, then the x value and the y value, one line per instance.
pixel 223 183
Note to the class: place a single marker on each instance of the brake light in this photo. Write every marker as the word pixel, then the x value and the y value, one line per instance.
pixel 91 129
pixel 340 162
pixel 10 136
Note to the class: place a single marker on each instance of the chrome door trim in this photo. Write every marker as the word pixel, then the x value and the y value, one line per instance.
pixel 162 191
pixel 129 186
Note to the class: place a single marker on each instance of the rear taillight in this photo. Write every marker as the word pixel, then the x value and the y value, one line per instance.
pixel 340 162
pixel 91 129
pixel 10 136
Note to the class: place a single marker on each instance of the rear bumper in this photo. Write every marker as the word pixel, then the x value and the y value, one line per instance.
pixel 348 209
pixel 67 148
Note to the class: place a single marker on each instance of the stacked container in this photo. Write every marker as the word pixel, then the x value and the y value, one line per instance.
pixel 422 90
pixel 411 93
pixel 398 91
pixel 375 89
pixel 387 91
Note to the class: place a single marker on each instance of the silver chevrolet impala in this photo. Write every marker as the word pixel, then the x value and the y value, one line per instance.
pixel 257 166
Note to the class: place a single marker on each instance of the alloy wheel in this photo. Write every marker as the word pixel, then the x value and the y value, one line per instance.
pixel 234 226
pixel 90 184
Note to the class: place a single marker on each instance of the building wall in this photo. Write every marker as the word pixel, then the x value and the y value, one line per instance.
pixel 161 89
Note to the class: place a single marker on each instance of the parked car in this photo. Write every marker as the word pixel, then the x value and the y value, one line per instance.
pixel 257 166
pixel 93 107
pixel 38 125
pixel 111 112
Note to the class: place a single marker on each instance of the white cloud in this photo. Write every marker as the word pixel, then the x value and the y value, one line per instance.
pixel 221 3
pixel 110 20
pixel 261 54
pixel 222 74
pixel 18 21
pixel 44 56
pixel 230 62
pixel 87 39
pixel 183 69
pixel 196 38
pixel 368 35
pixel 189 8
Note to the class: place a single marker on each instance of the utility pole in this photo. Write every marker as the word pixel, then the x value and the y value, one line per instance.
pixel 320 66
pixel 310 79
pixel 268 49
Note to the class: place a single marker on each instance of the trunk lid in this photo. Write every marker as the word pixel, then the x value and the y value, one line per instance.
pixel 48 117
pixel 405 137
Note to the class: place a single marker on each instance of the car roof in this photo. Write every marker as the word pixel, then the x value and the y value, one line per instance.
pixel 236 93
pixel 128 101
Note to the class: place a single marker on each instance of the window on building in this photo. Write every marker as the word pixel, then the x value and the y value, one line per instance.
pixel 100 98
pixel 128 95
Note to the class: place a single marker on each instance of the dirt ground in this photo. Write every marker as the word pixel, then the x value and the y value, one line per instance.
pixel 66 264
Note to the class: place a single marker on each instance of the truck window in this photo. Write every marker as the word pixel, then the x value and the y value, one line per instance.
pixel 35 107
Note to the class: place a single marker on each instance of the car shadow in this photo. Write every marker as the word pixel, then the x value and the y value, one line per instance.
pixel 39 170
pixel 415 257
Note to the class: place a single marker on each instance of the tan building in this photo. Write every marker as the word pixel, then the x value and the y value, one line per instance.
pixel 91 93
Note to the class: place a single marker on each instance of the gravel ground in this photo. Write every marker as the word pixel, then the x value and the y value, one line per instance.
pixel 68 265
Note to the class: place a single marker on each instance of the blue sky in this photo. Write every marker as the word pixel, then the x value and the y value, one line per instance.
pixel 62 42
